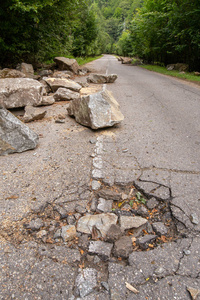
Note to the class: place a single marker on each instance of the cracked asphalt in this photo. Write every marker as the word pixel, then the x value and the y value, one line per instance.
pixel 156 147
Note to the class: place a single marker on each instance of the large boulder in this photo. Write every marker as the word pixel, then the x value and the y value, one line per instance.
pixel 15 136
pixel 20 92
pixel 56 83
pixel 27 69
pixel 126 60
pixel 179 67
pixel 99 78
pixel 65 63
pixel 96 111
pixel 63 94
pixel 11 73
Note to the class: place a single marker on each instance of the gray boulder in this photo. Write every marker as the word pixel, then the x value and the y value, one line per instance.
pixel 99 78
pixel 56 83
pixel 15 136
pixel 63 94
pixel 65 63
pixel 19 92
pixel 11 73
pixel 96 111
pixel 47 100
pixel 27 69
pixel 126 60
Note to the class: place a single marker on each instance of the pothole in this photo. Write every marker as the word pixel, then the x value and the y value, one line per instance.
pixel 113 223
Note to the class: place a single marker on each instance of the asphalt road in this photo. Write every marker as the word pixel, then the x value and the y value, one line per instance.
pixel 162 116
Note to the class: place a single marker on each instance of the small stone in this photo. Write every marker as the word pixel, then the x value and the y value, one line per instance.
pixel 194 218
pixel 123 247
pixel 83 241
pixel 41 234
pixel 61 210
pixel 109 195
pixel 193 292
pixel 144 241
pixel 80 209
pixel 77 216
pixel 142 211
pixel 35 224
pixel 57 234
pixel 71 220
pixel 97 260
pixel 95 185
pixel 152 203
pixel 113 233
pixel 187 252
pixel 93 141
pixel 93 206
pixel 125 150
pixel 59 121
pixel 124 196
pixel 100 248
pixel 159 271
pixel 159 228
pixel 68 232
pixel 126 207
pixel 127 222
pixel 104 205
pixel 149 228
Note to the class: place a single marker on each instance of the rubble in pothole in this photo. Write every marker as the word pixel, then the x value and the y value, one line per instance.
pixel 111 225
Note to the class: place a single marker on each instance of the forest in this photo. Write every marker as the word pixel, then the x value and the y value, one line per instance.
pixel 157 31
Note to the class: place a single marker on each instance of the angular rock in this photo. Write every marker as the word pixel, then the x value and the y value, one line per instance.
pixel 142 211
pixel 86 281
pixel 123 247
pixel 113 233
pixel 27 69
pixel 159 228
pixel 80 209
pixel 96 111
pixel 144 241
pixel 102 222
pixel 100 248
pixel 65 63
pixel 194 218
pixel 193 292
pixel 109 194
pixel 56 83
pixel 63 94
pixel 137 223
pixel 20 92
pixel 47 100
pixel 15 136
pixel 104 205
pixel 68 232
pixel 32 114
pixel 95 185
pixel 126 60
pixel 11 73
pixel 99 78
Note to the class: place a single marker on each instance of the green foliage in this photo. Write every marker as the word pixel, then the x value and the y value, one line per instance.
pixel 140 198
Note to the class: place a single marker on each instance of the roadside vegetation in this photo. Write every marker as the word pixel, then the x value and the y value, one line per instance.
pixel 185 75
pixel 162 31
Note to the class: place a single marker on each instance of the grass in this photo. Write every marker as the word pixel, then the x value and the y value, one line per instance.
pixel 188 76
pixel 84 60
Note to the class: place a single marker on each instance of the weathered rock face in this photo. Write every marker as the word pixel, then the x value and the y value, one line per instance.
pixel 15 136
pixel 65 63
pixel 56 83
pixel 11 73
pixel 99 78
pixel 20 92
pixel 27 69
pixel 63 94
pixel 96 111
pixel 47 100
pixel 33 113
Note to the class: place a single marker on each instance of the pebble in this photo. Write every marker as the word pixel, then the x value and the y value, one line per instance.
pixel 152 203
pixel 113 233
pixel 104 205
pixel 59 121
pixel 93 206
pixel 68 232
pixel 123 247
pixel 144 241
pixel 193 292
pixel 127 222
pixel 100 248
pixel 105 285
pixel 35 224
pixel 93 141
pixel 194 218
pixel 159 271
pixel 187 252
pixel 142 211
pixel 80 209
pixel 95 185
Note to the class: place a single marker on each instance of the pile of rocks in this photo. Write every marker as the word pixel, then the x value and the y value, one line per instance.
pixel 113 224
pixel 20 88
